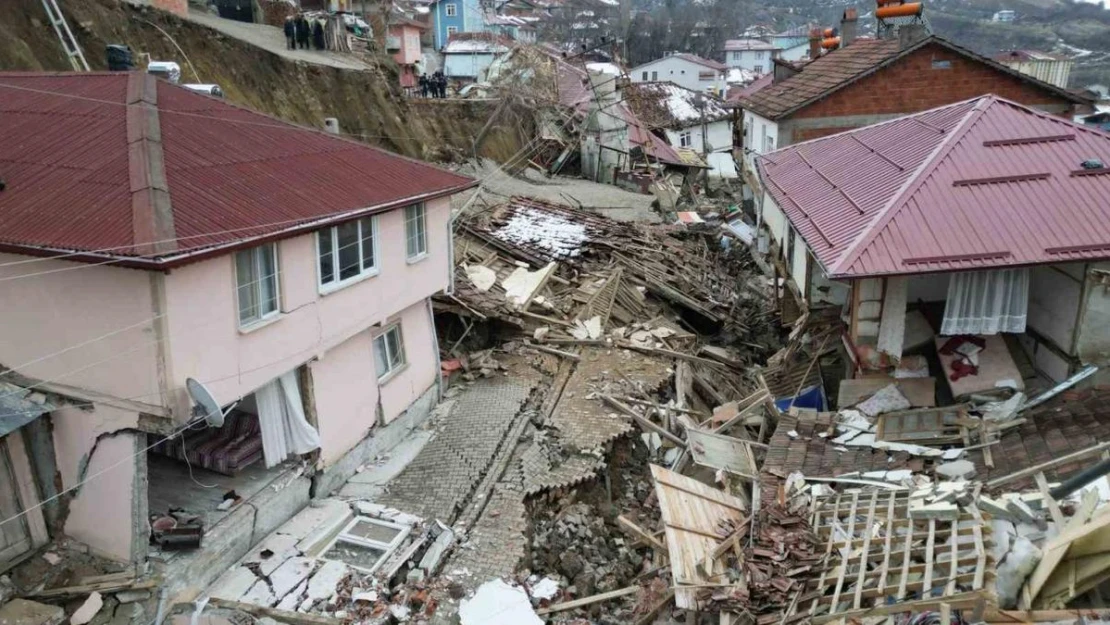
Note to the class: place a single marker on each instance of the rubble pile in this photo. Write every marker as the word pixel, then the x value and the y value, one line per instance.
pixel 772 566
pixel 563 277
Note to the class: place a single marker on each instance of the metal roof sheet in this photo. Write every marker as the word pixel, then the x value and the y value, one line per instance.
pixel 978 184
pixel 232 173
pixel 835 70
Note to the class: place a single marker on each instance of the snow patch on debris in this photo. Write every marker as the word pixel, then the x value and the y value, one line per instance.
pixel 498 603
pixel 554 233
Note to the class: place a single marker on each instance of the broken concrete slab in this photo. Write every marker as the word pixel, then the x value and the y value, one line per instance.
pixel 24 612
pixel 259 594
pixel 316 525
pixel 434 555
pixel 290 574
pixel 294 599
pixel 959 469
pixel 88 610
pixel 325 581
pixel 996 509
pixel 1021 510
pixel 385 513
pixel 498 603
pixel 234 583
pixel 941 511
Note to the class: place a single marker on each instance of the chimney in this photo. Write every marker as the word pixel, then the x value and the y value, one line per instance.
pixel 783 70
pixel 909 34
pixel 814 43
pixel 848 25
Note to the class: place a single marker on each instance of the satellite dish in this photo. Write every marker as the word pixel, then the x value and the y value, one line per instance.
pixel 205 405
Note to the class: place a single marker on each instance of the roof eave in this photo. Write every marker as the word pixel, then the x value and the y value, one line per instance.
pixel 165 263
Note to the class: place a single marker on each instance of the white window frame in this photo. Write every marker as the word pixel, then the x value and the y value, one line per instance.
pixel 420 250
pixel 769 144
pixel 256 260
pixel 759 56
pixel 736 55
pixel 390 548
pixel 757 69
pixel 452 30
pixel 364 272
pixel 685 139
pixel 393 367
pixel 451 10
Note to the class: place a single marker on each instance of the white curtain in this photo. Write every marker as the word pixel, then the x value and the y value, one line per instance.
pixel 285 431
pixel 987 302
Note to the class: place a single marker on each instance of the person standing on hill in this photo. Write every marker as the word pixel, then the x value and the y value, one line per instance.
pixel 423 86
pixel 318 35
pixel 303 32
pixel 290 32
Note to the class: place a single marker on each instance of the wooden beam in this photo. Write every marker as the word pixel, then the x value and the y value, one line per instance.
pixel 638 532
pixel 86 589
pixel 281 616
pixel 585 601
pixel 1044 466
pixel 553 351
pixel 643 423
pixel 736 536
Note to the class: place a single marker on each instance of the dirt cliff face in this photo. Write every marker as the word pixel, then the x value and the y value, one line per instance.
pixel 368 103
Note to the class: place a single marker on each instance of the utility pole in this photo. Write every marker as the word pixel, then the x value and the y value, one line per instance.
pixel 700 102
pixel 626 26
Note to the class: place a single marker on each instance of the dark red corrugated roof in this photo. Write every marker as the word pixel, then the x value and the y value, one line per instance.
pixel 835 70
pixel 70 177
pixel 979 184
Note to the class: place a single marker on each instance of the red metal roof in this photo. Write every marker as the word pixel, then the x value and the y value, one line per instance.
pixel 978 184
pixel 839 68
pixel 232 174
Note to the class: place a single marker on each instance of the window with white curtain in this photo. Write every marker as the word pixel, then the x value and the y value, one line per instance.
pixel 389 351
pixel 256 284
pixel 987 302
pixel 347 252
pixel 416 231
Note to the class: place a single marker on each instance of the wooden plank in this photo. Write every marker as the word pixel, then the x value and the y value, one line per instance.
pixel 866 548
pixel 884 571
pixel 930 543
pixel 981 563
pixel 828 554
pixel 692 513
pixel 86 589
pixel 28 493
pixel 1054 552
pixel 281 616
pixel 553 351
pixel 921 392
pixel 905 562
pixel 1044 466
pixel 1053 507
pixel 718 451
pixel 640 533
pixel 951 588
pixel 584 601
pixel 732 540
pixel 846 561
pixel 641 421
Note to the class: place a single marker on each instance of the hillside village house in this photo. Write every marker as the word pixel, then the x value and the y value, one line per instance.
pixel 870 80
pixel 450 17
pixel 754 55
pixel 984 218
pixel 403 41
pixel 687 119
pixel 153 235
pixel 468 55
pixel 685 70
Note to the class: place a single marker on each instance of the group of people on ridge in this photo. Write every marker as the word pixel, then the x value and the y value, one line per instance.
pixel 436 84
pixel 298 33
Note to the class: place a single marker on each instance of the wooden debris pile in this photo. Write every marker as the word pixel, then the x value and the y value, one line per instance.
pixel 566 276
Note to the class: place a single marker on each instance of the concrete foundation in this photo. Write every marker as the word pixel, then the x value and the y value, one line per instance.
pixel 186 574
pixel 381 440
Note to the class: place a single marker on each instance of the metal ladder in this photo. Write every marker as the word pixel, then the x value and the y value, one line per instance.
pixel 65 35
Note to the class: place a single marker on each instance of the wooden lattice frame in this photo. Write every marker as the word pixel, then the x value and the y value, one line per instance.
pixel 906 556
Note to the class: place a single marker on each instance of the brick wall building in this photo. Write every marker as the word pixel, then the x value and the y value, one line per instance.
pixel 869 81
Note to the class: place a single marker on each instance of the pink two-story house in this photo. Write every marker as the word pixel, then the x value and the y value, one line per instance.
pixel 150 235
pixel 403 41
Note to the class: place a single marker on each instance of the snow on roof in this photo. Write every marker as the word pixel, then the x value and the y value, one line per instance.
pixel 748 44
pixel 554 233
pixel 474 47
pixel 740 76
pixel 667 105
pixel 605 68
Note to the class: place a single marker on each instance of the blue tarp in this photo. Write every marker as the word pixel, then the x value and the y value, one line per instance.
pixel 812 397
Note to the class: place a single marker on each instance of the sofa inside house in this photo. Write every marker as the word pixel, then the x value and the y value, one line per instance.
pixel 228 449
